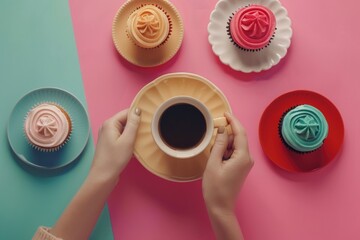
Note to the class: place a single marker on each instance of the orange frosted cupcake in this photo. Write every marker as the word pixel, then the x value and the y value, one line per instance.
pixel 47 127
pixel 148 26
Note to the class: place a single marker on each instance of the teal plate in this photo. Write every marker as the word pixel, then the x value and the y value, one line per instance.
pixel 70 151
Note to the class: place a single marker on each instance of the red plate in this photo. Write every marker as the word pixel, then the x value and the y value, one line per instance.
pixel 286 159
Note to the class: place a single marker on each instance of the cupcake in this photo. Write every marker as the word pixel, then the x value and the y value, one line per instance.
pixel 148 26
pixel 303 128
pixel 47 127
pixel 252 27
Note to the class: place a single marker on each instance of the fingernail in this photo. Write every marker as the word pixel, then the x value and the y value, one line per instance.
pixel 221 129
pixel 138 111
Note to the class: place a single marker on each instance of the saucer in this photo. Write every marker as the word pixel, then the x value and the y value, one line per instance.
pixel 147 57
pixel 286 159
pixel 149 98
pixel 65 155
pixel 248 61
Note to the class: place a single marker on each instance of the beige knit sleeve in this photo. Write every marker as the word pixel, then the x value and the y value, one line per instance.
pixel 42 233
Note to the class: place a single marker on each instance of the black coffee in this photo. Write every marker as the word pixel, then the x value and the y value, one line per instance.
pixel 182 126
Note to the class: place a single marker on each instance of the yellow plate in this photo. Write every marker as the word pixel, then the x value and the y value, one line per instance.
pixel 147 57
pixel 149 98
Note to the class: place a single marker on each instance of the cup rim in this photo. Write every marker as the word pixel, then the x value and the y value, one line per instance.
pixel 182 153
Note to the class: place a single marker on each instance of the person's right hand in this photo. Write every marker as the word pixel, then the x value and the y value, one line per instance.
pixel 116 143
pixel 226 170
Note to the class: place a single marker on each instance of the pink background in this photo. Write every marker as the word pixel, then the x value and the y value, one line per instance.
pixel 274 204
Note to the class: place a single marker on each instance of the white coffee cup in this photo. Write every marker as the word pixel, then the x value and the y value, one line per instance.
pixel 176 115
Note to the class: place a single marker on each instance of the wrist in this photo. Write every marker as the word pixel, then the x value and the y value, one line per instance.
pixel 225 224
pixel 220 209
pixel 102 178
pixel 104 171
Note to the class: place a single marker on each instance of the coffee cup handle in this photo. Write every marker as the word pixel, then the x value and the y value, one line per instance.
pixel 222 121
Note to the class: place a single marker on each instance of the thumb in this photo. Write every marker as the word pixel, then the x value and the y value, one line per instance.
pixel 219 147
pixel 132 124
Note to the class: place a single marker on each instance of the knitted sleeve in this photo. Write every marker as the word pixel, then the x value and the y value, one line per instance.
pixel 42 233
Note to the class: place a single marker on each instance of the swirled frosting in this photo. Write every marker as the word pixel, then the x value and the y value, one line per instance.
pixel 304 128
pixel 46 126
pixel 148 26
pixel 252 27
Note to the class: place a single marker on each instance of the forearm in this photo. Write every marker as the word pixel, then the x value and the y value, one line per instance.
pixel 225 225
pixel 81 215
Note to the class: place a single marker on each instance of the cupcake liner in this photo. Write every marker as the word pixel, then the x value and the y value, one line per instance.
pixel 170 25
pixel 56 148
pixel 283 140
pixel 237 45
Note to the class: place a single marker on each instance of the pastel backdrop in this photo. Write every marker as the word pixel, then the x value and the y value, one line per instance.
pixel 273 204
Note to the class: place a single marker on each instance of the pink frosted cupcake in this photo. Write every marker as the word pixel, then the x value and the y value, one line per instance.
pixel 47 127
pixel 252 27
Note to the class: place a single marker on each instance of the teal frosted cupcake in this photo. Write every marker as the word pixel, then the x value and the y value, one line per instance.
pixel 303 129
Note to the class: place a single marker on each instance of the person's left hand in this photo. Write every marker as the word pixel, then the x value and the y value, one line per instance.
pixel 115 143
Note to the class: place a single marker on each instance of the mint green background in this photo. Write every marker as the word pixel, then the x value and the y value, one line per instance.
pixel 37 49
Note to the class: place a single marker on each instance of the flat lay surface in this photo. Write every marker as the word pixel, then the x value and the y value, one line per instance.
pixel 69 45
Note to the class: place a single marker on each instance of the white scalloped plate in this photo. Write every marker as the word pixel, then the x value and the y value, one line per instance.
pixel 247 61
